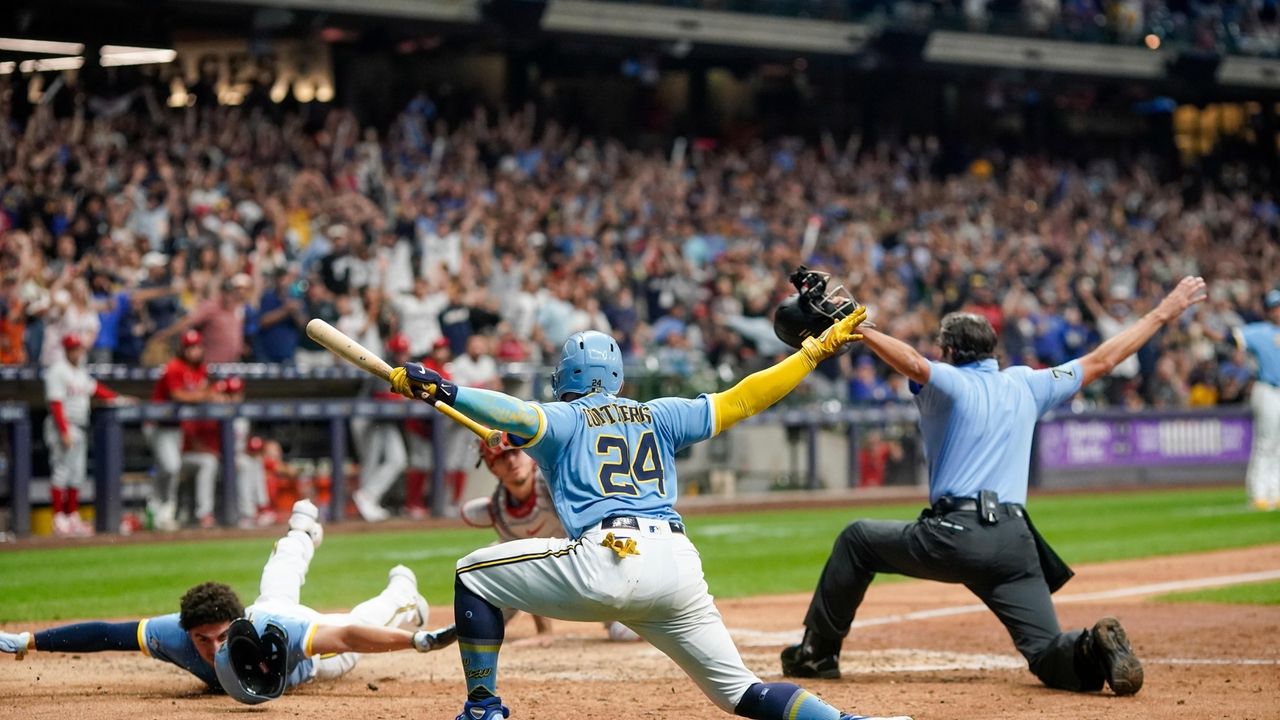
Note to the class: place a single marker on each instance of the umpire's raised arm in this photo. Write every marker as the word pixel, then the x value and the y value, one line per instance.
pixel 1103 359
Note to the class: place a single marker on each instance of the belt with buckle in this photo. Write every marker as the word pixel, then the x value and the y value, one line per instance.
pixel 627 522
pixel 947 503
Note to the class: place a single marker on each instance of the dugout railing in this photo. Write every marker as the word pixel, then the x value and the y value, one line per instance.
pixel 107 448
pixel 15 419
pixel 1095 448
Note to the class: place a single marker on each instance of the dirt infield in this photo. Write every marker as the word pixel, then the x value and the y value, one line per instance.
pixel 919 650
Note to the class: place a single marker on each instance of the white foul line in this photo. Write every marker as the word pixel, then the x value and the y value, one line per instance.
pixel 790 636
pixel 1149 589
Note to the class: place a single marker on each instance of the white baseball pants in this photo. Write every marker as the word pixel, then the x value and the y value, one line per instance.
pixel 1263 478
pixel 659 593
pixel 166 450
pixel 280 592
pixel 67 464
pixel 205 466
pixel 382 459
pixel 251 485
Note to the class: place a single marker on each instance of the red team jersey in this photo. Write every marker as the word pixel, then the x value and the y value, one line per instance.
pixel 178 375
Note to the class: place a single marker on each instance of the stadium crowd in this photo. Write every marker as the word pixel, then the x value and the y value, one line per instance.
pixel 128 228
pixel 1247 27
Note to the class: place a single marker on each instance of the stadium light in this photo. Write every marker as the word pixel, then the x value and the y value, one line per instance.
pixel 47 47
pixel 117 55
pixel 7 68
pixel 58 63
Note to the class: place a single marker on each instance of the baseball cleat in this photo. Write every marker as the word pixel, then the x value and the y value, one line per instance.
pixel 490 708
pixel 15 643
pixel 799 662
pixel 62 525
pixel 871 717
pixel 1110 647
pixel 306 518
pixel 368 509
pixel 421 609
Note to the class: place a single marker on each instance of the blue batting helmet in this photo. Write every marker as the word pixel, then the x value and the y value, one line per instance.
pixel 253 668
pixel 590 361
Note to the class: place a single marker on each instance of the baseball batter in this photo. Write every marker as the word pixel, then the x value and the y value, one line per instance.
pixel 68 388
pixel 185 380
pixel 610 466
pixel 1262 340
pixel 521 507
pixel 977 423
pixel 319 647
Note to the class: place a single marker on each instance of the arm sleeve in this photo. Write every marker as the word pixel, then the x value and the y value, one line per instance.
pixel 59 417
pixel 501 411
pixel 757 391
pixel 90 637
pixel 685 422
pixel 102 392
pixel 1051 387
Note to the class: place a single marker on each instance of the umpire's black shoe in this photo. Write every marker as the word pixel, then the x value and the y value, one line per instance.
pixel 1110 647
pixel 812 658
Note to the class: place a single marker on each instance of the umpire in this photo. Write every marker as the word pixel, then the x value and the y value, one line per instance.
pixel 977 423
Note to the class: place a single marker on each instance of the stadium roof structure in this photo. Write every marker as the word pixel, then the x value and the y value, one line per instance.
pixel 154 24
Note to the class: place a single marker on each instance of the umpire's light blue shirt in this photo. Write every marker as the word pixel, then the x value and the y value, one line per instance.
pixel 1262 340
pixel 978 421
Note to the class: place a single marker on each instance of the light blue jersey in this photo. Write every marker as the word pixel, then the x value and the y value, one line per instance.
pixel 604 455
pixel 1262 340
pixel 300 666
pixel 978 422
pixel 164 639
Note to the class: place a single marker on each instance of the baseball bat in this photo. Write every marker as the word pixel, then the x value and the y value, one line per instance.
pixel 353 352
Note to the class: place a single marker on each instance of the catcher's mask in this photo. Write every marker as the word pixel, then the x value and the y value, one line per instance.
pixel 251 668
pixel 813 309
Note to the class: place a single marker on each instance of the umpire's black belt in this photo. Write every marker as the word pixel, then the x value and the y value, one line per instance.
pixel 947 503
pixel 627 522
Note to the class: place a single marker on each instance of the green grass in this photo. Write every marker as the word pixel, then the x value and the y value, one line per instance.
pixel 743 553
pixel 1263 593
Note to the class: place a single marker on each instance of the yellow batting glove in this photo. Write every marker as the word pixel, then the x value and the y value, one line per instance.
pixel 400 383
pixel 835 337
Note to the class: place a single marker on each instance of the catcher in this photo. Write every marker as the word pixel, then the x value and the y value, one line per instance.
pixel 520 508
pixel 253 654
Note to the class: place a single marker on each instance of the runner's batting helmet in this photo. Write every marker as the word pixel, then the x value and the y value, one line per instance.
pixel 252 668
pixel 589 361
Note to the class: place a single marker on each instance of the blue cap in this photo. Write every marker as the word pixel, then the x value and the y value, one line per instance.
pixel 1271 300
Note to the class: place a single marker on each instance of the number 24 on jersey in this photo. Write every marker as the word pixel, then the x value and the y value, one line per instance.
pixel 621 472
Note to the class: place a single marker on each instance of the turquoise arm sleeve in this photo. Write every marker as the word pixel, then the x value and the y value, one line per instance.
pixel 499 411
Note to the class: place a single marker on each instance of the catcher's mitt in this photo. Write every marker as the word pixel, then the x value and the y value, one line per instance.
pixel 814 308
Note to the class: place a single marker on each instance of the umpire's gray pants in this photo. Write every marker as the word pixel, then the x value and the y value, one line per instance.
pixel 998 563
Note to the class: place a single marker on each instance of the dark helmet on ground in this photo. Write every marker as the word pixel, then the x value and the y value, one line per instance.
pixel 252 668
pixel 814 308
